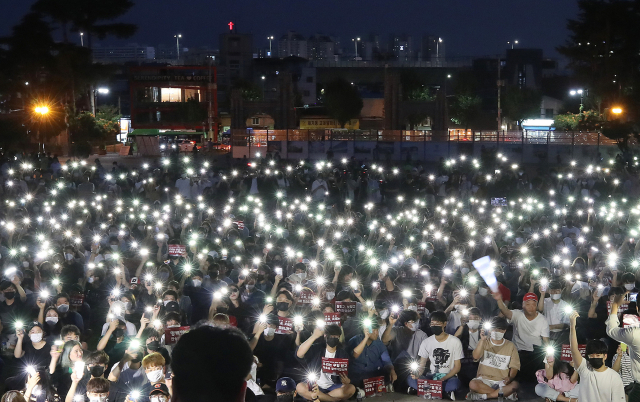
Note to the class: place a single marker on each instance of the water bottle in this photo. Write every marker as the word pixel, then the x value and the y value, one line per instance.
pixel 500 395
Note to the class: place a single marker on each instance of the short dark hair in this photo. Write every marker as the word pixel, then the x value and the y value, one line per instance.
pixel 475 311
pixel 628 277
pixel 596 347
pixel 287 294
pixel 170 292
pixel 69 329
pixel 408 315
pixel 99 385
pixel 616 290
pixel 332 329
pixel 211 364
pixel 439 316
pixel 555 285
pixel 98 357
pixel 60 296
pixel 499 323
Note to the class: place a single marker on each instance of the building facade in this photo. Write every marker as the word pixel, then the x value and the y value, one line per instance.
pixel 292 44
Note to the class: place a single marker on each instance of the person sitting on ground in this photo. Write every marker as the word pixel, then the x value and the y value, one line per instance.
pixel 558 381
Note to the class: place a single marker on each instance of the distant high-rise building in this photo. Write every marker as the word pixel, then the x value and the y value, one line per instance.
pixel 401 46
pixel 236 57
pixel 320 47
pixel 123 54
pixel 292 44
pixel 432 48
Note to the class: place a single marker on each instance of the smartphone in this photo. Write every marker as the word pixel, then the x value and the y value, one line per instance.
pixel 499 202
pixel 278 271
pixel 623 347
pixel 633 297
pixel 167 373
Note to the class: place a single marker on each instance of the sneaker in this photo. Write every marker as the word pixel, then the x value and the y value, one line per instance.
pixel 359 393
pixel 513 397
pixel 474 396
pixel 412 391
pixel 453 396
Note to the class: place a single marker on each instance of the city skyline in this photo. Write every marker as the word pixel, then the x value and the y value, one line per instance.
pixel 481 28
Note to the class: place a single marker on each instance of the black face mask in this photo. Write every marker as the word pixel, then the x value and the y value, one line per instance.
pixel 436 330
pixel 9 295
pixel 282 306
pixel 222 310
pixel 137 359
pixel 596 362
pixel 96 371
pixel 285 398
pixel 332 342
pixel 153 345
pixel 261 278
pixel 119 332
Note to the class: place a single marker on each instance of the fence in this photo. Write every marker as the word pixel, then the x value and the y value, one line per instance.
pixel 262 137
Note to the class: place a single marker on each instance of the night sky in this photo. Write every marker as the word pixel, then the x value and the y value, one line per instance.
pixel 469 27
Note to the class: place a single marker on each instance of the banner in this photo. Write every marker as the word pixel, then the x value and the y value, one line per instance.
pixel 430 388
pixel 565 355
pixel 348 308
pixel 176 250
pixel 285 326
pixel 622 307
pixel 76 300
pixel 484 268
pixel 306 296
pixel 332 318
pixel 630 321
pixel 374 386
pixel 333 366
pixel 171 335
pixel 422 308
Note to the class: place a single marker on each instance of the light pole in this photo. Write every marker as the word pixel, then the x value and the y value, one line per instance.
pixel 263 80
pixel 270 39
pixel 582 93
pixel 515 42
pixel 355 43
pixel 82 39
pixel 42 112
pixel 103 91
pixel 178 36
pixel 438 48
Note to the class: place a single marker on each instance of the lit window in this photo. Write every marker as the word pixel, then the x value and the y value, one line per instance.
pixel 170 95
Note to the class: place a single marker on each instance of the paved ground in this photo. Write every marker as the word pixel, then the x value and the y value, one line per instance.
pixel 525 395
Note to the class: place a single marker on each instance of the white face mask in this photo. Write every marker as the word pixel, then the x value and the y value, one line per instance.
pixel 464 271
pixel 25 264
pixel 155 375
pixel 384 314
pixel 330 295
pixel 414 327
pixel 497 336
pixel 98 398
pixel 197 282
pixel 473 324
pixel 35 338
pixel 68 256
pixel 556 296
pixel 52 320
pixel 413 308
pixel 114 247
pixel 629 286
pixel 429 252
pixel 269 331
pixel 483 291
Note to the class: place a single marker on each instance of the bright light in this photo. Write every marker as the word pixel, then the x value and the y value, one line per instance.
pixel 616 110
pixel 42 110
pixel 103 90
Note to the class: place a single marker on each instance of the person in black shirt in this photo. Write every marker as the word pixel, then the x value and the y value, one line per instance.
pixel 12 308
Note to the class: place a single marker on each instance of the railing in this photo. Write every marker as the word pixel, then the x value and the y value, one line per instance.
pixel 259 138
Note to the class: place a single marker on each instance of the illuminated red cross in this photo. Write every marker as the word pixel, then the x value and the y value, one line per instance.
pixel 230 26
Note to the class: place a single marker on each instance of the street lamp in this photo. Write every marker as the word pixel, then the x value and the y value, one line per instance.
pixel 438 48
pixel 515 42
pixel 178 36
pixel 263 80
pixel 582 93
pixel 82 39
pixel 270 38
pixel 102 91
pixel 355 43
pixel 42 111
pixel 616 110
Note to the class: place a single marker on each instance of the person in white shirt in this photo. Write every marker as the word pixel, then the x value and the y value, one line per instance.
pixel 184 185
pixel 443 352
pixel 555 310
pixel 319 189
pixel 630 336
pixel 530 331
pixel 598 383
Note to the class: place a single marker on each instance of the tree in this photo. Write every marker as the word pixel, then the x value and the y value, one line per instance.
pixel 589 120
pixel 413 88
pixel 342 100
pixel 464 109
pixel 521 103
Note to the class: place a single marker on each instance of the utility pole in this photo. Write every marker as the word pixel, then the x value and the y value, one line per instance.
pixel 499 93
pixel 210 95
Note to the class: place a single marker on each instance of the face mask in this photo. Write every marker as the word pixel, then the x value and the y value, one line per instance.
pixel 166 302
pixel 90 279
pixel 282 306
pixel 97 398
pixel 497 336
pixel 25 264
pixel 412 308
pixel 250 287
pixel 96 371
pixel 35 338
pixel 118 333
pixel 483 291
pixel 197 282
pixel 519 240
pixel 414 327
pixel 68 256
pixel 596 362
pixel 556 296
pixel 330 295
pixel 629 286
pixel 155 375
pixel 51 320
pixel 114 247
pixel 436 330
pixel 63 308
pixel 9 295
pixel 127 306
pixel 285 398
pixel 332 342
pixel 473 324
pixel 384 314
pixel 269 331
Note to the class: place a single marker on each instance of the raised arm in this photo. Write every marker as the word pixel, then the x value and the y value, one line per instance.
pixel 498 298
pixel 304 348
pixel 573 340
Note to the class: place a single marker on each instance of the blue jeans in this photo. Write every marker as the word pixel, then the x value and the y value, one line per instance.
pixel 451 385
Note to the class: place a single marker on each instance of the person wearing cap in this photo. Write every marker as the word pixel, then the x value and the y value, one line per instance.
pixel 159 393
pixel 498 364
pixel 286 389
pixel 530 333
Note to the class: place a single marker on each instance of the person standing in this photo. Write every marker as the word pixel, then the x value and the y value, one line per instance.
pixel 630 336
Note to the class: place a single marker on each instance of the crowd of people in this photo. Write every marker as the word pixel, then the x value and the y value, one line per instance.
pixel 312 280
